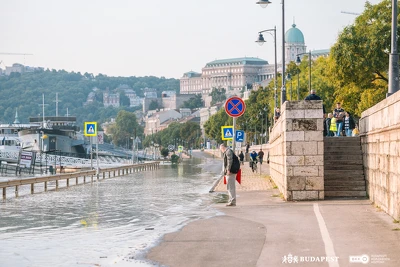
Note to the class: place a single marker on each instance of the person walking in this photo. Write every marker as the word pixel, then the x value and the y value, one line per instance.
pixel 260 156
pixel 241 157
pixel 247 147
pixel 349 124
pixel 338 113
pixel 231 177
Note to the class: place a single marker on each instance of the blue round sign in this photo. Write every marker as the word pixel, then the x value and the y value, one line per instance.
pixel 235 106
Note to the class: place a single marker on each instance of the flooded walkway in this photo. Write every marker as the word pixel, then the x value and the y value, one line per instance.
pixel 108 223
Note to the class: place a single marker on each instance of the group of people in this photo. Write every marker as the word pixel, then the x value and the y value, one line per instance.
pixel 254 156
pixel 340 123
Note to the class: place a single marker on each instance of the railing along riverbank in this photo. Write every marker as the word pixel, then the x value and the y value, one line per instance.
pixel 82 175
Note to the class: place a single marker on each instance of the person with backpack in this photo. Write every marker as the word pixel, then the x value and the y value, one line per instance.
pixel 228 157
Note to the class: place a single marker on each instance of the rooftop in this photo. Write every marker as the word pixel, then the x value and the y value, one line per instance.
pixel 237 61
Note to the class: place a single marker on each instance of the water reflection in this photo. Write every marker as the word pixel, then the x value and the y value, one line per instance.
pixel 105 223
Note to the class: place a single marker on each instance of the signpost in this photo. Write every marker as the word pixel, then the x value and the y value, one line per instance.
pixel 234 107
pixel 91 130
pixel 227 132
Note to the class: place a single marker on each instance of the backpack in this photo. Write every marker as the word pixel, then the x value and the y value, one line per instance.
pixel 235 164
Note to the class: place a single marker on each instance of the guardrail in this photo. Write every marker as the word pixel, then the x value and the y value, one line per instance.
pixel 116 171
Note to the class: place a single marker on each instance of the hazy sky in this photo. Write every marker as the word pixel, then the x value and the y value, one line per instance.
pixel 158 37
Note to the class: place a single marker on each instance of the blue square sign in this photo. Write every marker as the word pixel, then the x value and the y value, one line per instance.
pixel 239 136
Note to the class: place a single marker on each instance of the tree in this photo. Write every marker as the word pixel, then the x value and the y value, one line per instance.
pixel 164 152
pixel 362 50
pixel 213 126
pixel 361 58
pixel 194 102
pixel 217 95
pixel 125 127
pixel 153 105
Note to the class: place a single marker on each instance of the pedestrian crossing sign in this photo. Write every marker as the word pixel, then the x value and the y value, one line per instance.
pixel 227 132
pixel 90 129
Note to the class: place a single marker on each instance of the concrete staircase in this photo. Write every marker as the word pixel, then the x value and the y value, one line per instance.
pixel 343 167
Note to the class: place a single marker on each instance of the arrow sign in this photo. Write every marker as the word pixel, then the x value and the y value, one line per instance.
pixel 235 106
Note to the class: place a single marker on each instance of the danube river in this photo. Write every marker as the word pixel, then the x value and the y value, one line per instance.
pixel 109 223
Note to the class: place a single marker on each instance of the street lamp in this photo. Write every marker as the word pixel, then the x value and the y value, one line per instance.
pixel 133 148
pixel 298 61
pixel 265 3
pixel 394 56
pixel 261 41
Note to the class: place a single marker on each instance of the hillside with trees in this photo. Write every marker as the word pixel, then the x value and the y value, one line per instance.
pixel 24 91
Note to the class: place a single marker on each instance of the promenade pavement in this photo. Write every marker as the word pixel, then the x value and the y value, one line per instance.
pixel 264 230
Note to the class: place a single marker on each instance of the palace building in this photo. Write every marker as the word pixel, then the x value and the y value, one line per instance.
pixel 236 74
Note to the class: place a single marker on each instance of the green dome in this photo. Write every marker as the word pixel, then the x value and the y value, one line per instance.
pixel 294 35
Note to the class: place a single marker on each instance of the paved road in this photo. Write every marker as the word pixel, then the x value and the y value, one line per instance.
pixel 263 230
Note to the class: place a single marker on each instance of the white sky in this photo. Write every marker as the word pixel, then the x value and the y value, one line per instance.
pixel 158 37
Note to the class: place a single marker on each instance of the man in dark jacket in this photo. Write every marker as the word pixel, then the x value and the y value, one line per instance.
pixel 231 177
pixel 313 96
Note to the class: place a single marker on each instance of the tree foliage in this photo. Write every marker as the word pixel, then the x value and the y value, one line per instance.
pixel 125 128
pixel 218 95
pixel 194 102
pixel 187 134
pixel 24 91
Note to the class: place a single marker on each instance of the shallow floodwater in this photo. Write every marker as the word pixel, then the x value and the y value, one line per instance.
pixel 108 223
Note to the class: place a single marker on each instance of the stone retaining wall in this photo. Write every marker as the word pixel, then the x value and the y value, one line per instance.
pixel 297 151
pixel 380 139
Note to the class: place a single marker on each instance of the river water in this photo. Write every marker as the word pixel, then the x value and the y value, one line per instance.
pixel 108 223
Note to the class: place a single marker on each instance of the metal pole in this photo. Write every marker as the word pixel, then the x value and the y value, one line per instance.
pixel 394 56
pixel 91 154
pixel 276 72
pixel 298 86
pixel 234 135
pixel 133 148
pixel 309 71
pixel 283 92
pixel 97 157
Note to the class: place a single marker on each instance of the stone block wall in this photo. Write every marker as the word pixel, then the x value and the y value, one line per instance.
pixel 380 140
pixel 297 151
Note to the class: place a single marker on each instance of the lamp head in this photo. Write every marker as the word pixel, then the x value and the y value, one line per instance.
pixel 263 3
pixel 298 60
pixel 260 39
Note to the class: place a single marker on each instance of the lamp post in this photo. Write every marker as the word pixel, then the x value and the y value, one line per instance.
pixel 298 84
pixel 261 41
pixel 394 56
pixel 289 78
pixel 298 61
pixel 133 148
pixel 264 4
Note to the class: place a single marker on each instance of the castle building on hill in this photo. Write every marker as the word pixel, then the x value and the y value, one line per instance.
pixel 237 74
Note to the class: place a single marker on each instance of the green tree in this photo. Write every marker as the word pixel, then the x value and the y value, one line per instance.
pixel 125 127
pixel 164 152
pixel 213 126
pixel 362 50
pixel 217 95
pixel 194 102
pixel 153 105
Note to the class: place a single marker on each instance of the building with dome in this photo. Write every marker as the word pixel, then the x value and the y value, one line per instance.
pixel 295 44
pixel 243 73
